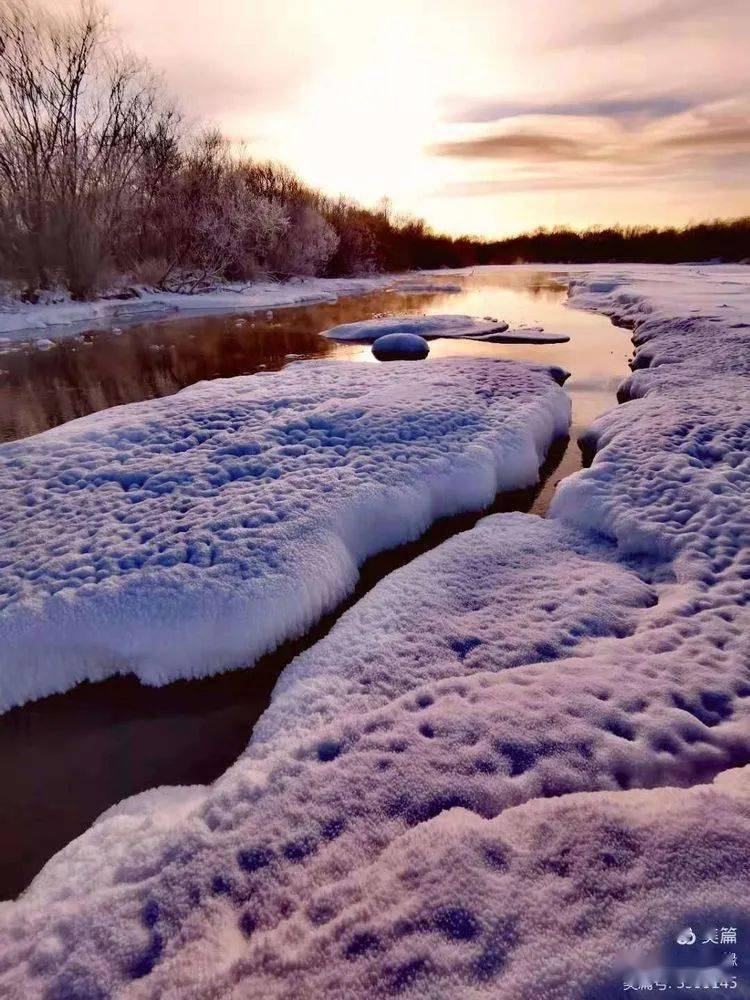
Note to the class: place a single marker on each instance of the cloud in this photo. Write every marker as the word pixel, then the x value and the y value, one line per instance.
pixel 712 132
pixel 730 138
pixel 636 22
pixel 526 145
pixel 640 107
pixel 212 90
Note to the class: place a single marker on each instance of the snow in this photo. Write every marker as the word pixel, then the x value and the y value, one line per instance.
pixel 524 335
pixel 516 768
pixel 531 582
pixel 427 327
pixel 631 293
pixel 242 507
pixel 411 286
pixel 400 346
pixel 707 309
pixel 449 326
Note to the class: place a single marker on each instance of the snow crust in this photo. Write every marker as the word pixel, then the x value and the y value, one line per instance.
pixel 242 508
pixel 460 791
pixel 400 345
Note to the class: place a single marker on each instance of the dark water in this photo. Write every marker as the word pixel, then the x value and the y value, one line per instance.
pixel 68 757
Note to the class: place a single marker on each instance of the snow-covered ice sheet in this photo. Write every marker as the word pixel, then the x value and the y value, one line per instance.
pixel 446 326
pixel 194 533
pixel 513 590
pixel 428 327
pixel 633 292
pixel 412 285
pixel 443 797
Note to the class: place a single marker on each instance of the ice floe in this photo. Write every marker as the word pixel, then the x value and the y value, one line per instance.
pixel 194 533
pixel 448 326
pixel 428 327
pixel 524 335
pixel 411 286
pixel 460 790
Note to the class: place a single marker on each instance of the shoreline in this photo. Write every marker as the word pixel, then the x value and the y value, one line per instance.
pixel 40 323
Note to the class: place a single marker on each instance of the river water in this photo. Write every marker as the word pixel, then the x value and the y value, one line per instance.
pixel 68 757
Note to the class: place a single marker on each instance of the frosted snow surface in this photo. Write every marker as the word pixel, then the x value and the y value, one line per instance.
pixel 708 309
pixel 191 534
pixel 460 790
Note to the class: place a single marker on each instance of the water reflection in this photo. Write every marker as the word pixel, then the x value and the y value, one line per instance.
pixel 95 370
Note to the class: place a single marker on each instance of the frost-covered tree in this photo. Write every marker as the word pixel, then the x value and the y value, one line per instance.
pixel 306 245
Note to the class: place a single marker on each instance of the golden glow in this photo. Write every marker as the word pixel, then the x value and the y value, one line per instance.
pixel 356 96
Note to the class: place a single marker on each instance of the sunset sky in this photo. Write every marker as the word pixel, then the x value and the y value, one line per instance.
pixel 483 117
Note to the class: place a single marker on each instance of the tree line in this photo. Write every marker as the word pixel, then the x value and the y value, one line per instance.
pixel 102 183
pixel 721 239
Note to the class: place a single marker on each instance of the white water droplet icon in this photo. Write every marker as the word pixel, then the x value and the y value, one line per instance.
pixel 686 936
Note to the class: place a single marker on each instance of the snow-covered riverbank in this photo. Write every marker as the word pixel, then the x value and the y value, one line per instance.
pixel 53 319
pixel 460 789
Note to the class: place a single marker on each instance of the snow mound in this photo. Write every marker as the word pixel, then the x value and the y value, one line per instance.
pixel 428 327
pixel 549 900
pixel 244 507
pixel 400 347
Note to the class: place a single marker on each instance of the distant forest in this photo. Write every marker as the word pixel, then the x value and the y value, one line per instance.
pixel 103 186
pixel 721 239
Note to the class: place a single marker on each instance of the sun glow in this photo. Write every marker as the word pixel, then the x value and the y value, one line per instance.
pixel 568 127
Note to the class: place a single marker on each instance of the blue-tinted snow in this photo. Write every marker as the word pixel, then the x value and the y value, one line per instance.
pixel 190 534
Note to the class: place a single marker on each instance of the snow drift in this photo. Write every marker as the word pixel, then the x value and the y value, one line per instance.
pixel 194 533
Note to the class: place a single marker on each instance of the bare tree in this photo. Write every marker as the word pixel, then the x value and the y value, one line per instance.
pixel 77 118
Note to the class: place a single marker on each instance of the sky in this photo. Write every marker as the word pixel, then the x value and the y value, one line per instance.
pixel 485 117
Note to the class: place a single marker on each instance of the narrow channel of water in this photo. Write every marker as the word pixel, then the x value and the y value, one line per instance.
pixel 68 757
